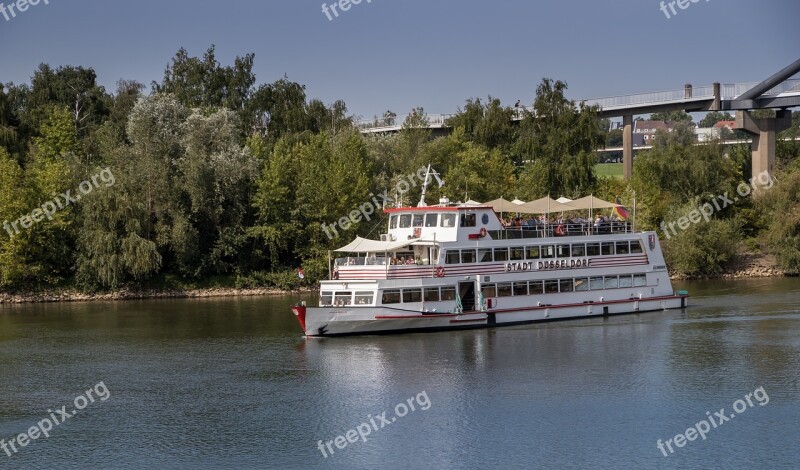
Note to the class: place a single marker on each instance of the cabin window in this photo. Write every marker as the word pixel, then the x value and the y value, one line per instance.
pixel 342 298
pixel 532 252
pixel 488 290
pixel 639 280
pixel 467 256
pixel 504 289
pixel 636 246
pixel 623 248
pixel 391 296
pixel 448 293
pixel 393 221
pixel 468 220
pixel 448 220
pixel 431 220
pixel 607 249
pixel 431 294
pixel 592 249
pixel 563 251
pixel 551 286
pixel 581 283
pixel 595 283
pixel 405 221
pixel 566 285
pixel 501 254
pixel 520 288
pixel 412 295
pixel 325 299
pixel 416 220
pixel 548 251
pixel 535 287
pixel 579 250
pixel 517 253
pixel 625 280
pixel 451 257
pixel 484 255
pixel 364 298
pixel 612 282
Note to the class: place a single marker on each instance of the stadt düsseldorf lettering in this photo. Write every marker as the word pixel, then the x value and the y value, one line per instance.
pixel 550 264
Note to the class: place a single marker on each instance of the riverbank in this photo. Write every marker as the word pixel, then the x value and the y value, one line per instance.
pixel 131 294
pixel 747 265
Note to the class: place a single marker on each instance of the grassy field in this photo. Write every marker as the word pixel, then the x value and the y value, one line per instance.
pixel 609 169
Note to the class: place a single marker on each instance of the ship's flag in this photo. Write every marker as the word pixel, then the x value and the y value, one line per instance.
pixel 300 273
pixel 620 210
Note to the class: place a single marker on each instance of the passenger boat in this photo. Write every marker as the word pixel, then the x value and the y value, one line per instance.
pixel 454 266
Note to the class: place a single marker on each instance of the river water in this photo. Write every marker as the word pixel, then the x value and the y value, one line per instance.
pixel 231 383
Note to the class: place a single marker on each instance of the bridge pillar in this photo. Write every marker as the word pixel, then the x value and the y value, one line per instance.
pixel 764 131
pixel 627 146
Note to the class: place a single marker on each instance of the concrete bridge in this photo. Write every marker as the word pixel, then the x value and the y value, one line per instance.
pixel 779 92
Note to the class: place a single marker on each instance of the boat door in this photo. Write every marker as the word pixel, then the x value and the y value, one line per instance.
pixel 466 291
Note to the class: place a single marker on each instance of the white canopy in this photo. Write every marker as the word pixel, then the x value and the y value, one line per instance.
pixel 591 202
pixel 563 200
pixel 365 245
pixel 545 205
pixel 502 205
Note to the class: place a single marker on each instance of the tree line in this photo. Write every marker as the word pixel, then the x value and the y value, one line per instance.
pixel 220 179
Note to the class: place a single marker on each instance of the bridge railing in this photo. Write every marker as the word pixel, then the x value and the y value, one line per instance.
pixel 380 123
pixel 639 99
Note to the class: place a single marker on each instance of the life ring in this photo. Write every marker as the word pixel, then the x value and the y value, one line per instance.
pixel 439 271
pixel 483 232
pixel 560 230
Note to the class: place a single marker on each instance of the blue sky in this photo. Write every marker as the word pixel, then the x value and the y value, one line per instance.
pixel 396 54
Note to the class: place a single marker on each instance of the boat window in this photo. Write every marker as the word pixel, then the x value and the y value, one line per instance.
pixel 488 290
pixel 325 299
pixel 412 295
pixel 532 252
pixel 405 221
pixel 520 288
pixel 391 296
pixel 596 283
pixel 639 280
pixel 623 248
pixel 607 249
pixel 611 282
pixel 484 255
pixel 517 253
pixel 566 285
pixel 468 220
pixel 501 254
pixel 417 220
pixel 448 220
pixel 431 220
pixel 551 286
pixel 467 256
pixel 431 294
pixel 548 251
pixel 579 250
pixel 504 289
pixel 636 246
pixel 448 293
pixel 592 249
pixel 581 283
pixel 342 298
pixel 563 251
pixel 393 221
pixel 364 298
pixel 625 280
pixel 451 257
pixel 535 287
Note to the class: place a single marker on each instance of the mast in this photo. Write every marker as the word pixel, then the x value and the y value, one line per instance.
pixel 425 187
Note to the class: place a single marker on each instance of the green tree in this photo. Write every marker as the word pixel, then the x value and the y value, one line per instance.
pixel 677 116
pixel 714 117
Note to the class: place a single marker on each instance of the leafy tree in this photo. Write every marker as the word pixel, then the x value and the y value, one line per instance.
pixel 677 116
pixel 714 117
